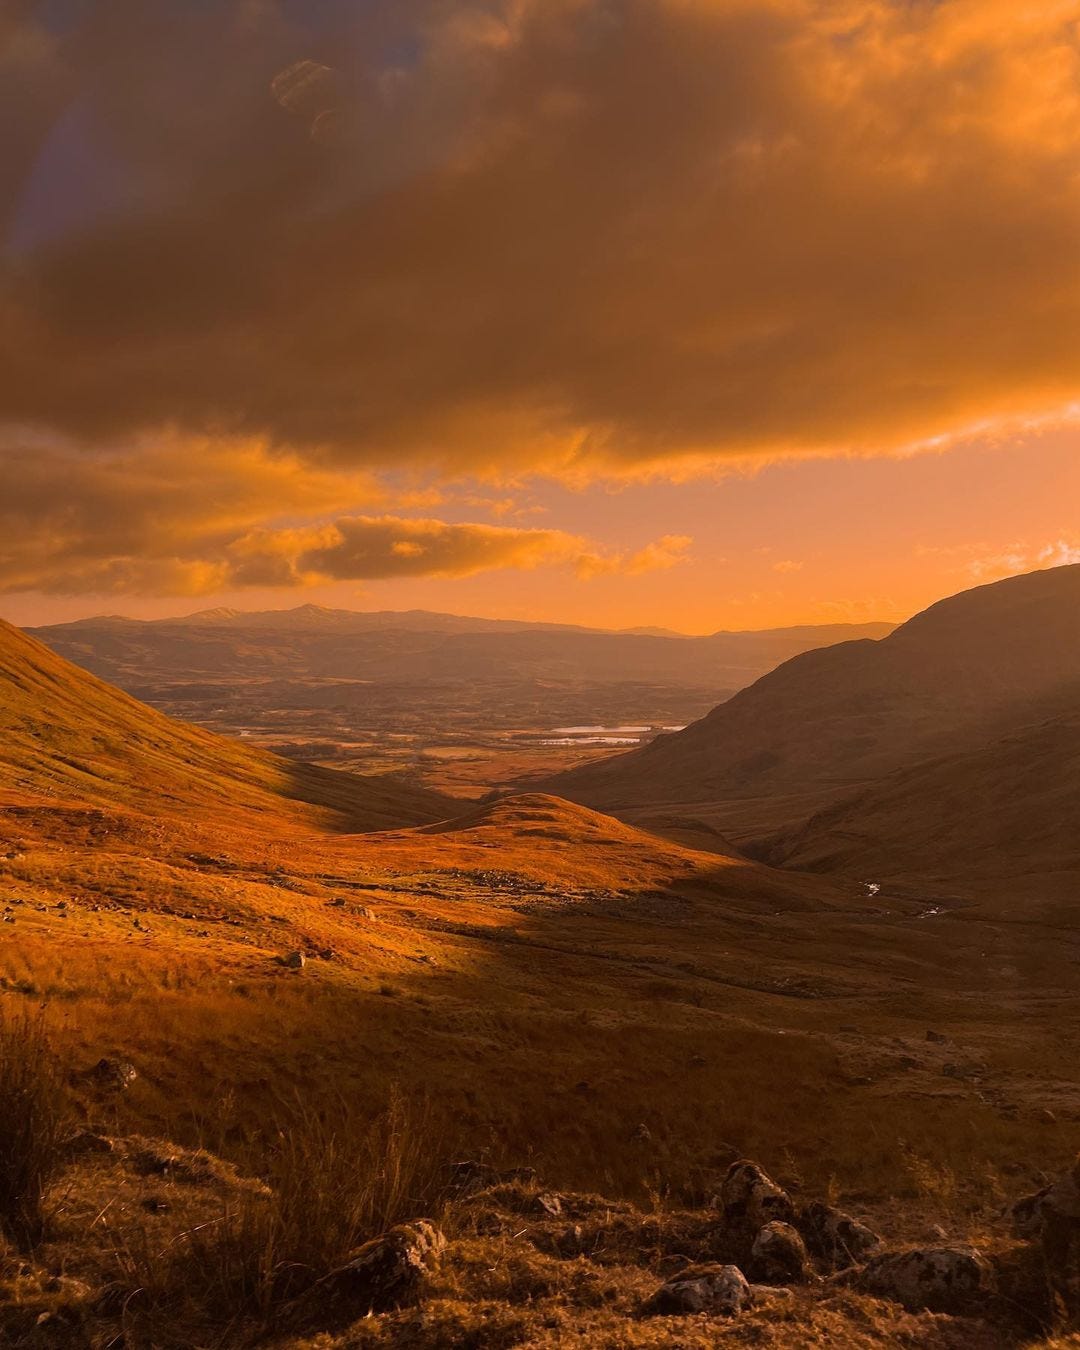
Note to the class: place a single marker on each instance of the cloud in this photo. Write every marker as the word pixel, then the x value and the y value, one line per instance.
pixel 364 548
pixel 157 518
pixel 668 551
pixel 188 518
pixel 787 565
pixel 1025 557
pixel 572 237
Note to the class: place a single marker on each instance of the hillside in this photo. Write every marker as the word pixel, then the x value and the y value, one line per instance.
pixel 65 734
pixel 992 814
pixel 537 983
pixel 829 719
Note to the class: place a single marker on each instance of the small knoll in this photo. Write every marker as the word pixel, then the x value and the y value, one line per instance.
pixel 65 734
pixel 539 815
pixel 562 842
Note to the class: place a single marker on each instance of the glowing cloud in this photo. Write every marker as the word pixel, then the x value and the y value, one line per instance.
pixel 563 236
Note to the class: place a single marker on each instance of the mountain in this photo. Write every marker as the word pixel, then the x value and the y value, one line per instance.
pixel 66 735
pixel 1006 809
pixel 315 643
pixel 827 720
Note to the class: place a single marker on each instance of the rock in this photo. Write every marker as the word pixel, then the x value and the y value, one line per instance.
pixel 939 1279
pixel 763 1292
pixel 938 1233
pixel 936 1038
pixel 709 1289
pixel 85 1142
pixel 294 960
pixel 1054 1207
pixel 389 1272
pixel 117 1075
pixel 1047 1117
pixel 70 1290
pixel 779 1256
pixel 642 1134
pixel 751 1198
pixel 836 1237
pixel 549 1204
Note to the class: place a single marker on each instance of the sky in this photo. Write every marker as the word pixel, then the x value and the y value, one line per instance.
pixel 692 313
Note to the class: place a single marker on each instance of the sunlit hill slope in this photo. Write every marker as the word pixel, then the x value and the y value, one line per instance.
pixel 64 733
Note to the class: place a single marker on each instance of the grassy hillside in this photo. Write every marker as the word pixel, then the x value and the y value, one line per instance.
pixel 827 720
pixel 542 984
pixel 1004 810
pixel 66 734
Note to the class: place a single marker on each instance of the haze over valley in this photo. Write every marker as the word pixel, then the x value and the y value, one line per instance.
pixel 457 704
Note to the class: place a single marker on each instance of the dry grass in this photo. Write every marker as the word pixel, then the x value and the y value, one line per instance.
pixel 34 1125
pixel 333 1182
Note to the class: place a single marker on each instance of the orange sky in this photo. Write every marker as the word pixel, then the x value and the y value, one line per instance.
pixel 698 313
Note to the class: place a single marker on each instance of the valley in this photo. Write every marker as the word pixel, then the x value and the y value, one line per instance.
pixel 876 1001
pixel 456 704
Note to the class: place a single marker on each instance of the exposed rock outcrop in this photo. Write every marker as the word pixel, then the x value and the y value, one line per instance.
pixel 389 1272
pixel 750 1198
pixel 835 1237
pixel 938 1279
pixel 779 1256
pixel 707 1289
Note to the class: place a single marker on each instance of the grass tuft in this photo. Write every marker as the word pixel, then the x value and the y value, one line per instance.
pixel 333 1183
pixel 34 1126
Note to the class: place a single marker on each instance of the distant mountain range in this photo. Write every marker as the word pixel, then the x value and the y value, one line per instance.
pixel 315 643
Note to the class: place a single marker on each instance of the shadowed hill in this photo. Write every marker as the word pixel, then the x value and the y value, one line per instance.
pixel 952 676
pixel 66 734
pixel 1005 809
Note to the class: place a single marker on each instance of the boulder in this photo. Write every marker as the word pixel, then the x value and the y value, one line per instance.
pixel 115 1075
pixel 697 1289
pixel 85 1142
pixel 548 1204
pixel 1054 1207
pixel 938 1279
pixel 779 1256
pixel 294 960
pixel 750 1198
pixel 835 1237
pixel 389 1272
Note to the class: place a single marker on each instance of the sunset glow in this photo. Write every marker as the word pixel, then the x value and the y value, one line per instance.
pixel 694 313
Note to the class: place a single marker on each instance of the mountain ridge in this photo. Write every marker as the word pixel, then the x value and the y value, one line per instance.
pixel 834 717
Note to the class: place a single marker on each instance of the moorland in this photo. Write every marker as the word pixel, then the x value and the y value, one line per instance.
pixel 269 1008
